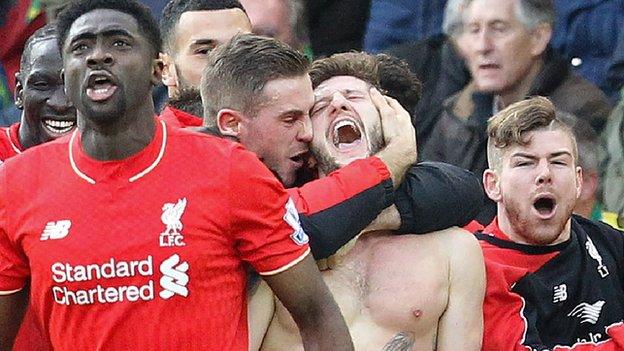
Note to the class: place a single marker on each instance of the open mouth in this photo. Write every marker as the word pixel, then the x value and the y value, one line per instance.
pixel 58 127
pixel 100 87
pixel 300 158
pixel 545 206
pixel 346 134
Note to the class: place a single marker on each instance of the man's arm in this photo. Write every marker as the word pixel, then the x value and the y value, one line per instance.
pixel 461 325
pixel 12 307
pixel 260 310
pixel 304 294
pixel 327 205
pixel 435 196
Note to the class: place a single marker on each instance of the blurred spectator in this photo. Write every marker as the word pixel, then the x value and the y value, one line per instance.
pixel 393 22
pixel 505 43
pixel 589 152
pixel 590 35
pixel 439 67
pixel 280 19
pixel 336 25
pixel 19 19
pixel 613 179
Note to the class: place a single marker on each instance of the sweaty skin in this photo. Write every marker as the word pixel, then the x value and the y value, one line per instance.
pixel 401 293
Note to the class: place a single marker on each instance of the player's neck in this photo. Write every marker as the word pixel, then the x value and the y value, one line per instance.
pixel 118 140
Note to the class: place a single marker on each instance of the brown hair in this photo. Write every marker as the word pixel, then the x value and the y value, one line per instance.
pixel 510 126
pixel 237 71
pixel 389 74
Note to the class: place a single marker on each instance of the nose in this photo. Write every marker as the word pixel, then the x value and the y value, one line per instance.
pixel 544 174
pixel 483 41
pixel 58 101
pixel 339 103
pixel 99 56
pixel 305 134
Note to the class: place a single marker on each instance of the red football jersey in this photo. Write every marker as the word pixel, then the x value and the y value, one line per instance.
pixel 146 253
pixel 179 118
pixel 9 142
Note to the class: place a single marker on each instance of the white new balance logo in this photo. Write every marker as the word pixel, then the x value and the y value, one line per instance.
pixel 56 230
pixel 174 277
pixel 587 313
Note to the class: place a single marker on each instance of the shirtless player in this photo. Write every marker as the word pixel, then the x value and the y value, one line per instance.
pixel 396 292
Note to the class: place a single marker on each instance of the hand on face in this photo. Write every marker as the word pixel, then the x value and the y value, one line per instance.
pixel 399 135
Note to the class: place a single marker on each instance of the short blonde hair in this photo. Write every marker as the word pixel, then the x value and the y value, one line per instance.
pixel 510 127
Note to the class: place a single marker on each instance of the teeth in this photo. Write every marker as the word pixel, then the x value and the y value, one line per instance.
pixel 344 122
pixel 59 126
pixel 101 90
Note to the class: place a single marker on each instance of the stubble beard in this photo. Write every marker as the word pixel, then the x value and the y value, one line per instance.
pixel 531 229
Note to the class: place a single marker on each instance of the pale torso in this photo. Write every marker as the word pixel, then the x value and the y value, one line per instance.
pixel 392 291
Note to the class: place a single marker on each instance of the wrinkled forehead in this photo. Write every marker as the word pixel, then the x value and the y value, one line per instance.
pixel 340 84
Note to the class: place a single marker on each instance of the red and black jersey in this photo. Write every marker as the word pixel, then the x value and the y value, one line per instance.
pixel 9 142
pixel 568 296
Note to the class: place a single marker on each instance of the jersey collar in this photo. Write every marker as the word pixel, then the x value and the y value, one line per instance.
pixel 130 169
pixel 13 135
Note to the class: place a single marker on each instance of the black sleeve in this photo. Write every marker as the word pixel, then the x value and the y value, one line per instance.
pixel 332 228
pixel 435 196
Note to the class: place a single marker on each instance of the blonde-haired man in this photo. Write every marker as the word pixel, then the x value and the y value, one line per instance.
pixel 554 280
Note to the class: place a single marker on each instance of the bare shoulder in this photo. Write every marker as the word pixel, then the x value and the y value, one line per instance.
pixel 462 247
pixel 457 238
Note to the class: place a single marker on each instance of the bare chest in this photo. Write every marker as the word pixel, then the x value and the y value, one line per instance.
pixel 397 283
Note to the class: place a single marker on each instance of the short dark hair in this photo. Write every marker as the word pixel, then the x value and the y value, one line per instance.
pixel 47 32
pixel 175 8
pixel 387 73
pixel 142 14
pixel 237 71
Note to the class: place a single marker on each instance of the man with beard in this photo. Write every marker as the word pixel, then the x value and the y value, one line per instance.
pixel 554 280
pixel 191 29
pixel 266 107
pixel 110 240
pixel 46 113
pixel 410 292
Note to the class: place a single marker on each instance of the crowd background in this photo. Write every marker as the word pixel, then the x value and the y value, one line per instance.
pixel 588 39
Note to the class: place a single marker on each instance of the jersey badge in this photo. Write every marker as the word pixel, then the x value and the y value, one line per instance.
pixel 587 313
pixel 171 218
pixel 593 253
pixel 56 230
pixel 292 218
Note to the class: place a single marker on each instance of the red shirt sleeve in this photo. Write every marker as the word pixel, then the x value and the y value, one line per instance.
pixel 263 219
pixel 14 269
pixel 340 185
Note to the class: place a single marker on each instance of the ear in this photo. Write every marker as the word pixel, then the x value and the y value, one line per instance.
pixel 540 37
pixel 157 71
pixel 491 184
pixel 19 92
pixel 579 181
pixel 229 122
pixel 169 72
